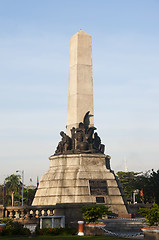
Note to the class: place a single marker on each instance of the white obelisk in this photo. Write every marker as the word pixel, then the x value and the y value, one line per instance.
pixel 80 91
pixel 79 177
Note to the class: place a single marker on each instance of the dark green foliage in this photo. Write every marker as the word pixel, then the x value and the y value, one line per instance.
pixel 13 228
pixel 91 213
pixel 11 184
pixel 1 194
pixel 8 222
pixel 55 231
pixel 127 180
pixel 155 185
pixel 29 196
pixel 151 215
pixel 147 182
pixel 13 193
pixel 143 181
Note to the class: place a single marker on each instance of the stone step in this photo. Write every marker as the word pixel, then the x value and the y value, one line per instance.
pixel 117 229
pixel 123 225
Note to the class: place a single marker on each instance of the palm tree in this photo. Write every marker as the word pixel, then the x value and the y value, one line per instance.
pixel 12 185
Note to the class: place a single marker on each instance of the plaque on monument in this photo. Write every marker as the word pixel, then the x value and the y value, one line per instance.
pixel 98 187
pixel 52 222
pixel 100 200
pixel 57 222
pixel 47 223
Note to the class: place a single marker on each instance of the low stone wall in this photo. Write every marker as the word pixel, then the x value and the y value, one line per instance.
pixel 31 214
pixel 26 214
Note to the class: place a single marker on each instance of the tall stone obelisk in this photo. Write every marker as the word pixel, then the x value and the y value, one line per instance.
pixel 80 91
pixel 79 171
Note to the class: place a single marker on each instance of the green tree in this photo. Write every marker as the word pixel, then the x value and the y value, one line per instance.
pixel 151 215
pixel 128 181
pixel 143 182
pixel 91 213
pixel 154 179
pixel 12 183
pixel 147 182
pixel 1 194
pixel 13 187
pixel 30 196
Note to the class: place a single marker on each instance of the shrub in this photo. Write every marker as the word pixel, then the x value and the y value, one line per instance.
pixel 91 213
pixel 69 231
pixel 8 226
pixel 151 215
pixel 13 228
pixel 55 231
pixel 8 222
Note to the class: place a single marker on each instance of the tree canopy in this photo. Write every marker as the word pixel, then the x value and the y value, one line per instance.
pixel 12 193
pixel 147 184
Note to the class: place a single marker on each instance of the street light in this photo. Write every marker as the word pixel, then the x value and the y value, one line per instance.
pixel 22 173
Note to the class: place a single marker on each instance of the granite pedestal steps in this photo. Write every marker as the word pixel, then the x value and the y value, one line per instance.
pixel 67 181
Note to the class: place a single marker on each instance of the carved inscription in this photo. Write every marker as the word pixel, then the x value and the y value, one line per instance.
pixel 98 187
pixel 100 200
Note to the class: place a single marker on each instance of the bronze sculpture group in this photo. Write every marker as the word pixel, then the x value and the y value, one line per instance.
pixel 82 140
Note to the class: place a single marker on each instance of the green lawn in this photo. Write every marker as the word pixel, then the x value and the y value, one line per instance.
pixel 64 238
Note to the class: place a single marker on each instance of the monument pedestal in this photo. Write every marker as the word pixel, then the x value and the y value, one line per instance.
pixel 79 172
pixel 80 178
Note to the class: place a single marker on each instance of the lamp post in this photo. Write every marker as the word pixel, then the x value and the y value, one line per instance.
pixel 22 174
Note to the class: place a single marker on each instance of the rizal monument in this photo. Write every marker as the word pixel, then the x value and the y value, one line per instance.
pixel 79 171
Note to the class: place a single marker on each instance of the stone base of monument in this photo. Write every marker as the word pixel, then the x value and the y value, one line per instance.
pixel 80 178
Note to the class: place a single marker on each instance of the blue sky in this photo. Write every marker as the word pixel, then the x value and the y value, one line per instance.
pixel 34 67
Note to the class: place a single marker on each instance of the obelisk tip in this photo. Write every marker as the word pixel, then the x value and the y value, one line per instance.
pixel 81 32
